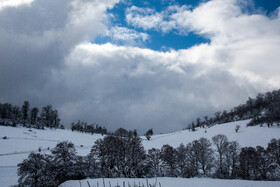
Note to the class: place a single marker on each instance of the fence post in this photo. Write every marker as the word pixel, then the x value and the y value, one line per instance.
pixel 88 184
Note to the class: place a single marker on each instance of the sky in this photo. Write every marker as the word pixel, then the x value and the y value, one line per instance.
pixel 138 64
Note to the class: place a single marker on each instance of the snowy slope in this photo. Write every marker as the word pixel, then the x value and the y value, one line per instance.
pixel 172 182
pixel 246 136
pixel 21 141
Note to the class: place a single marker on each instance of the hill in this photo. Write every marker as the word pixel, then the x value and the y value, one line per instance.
pixel 17 143
pixel 167 182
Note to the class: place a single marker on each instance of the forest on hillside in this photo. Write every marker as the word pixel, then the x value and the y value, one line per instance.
pixel 27 116
pixel 264 109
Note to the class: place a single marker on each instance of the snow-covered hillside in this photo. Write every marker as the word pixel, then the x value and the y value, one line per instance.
pixel 176 182
pixel 246 136
pixel 21 141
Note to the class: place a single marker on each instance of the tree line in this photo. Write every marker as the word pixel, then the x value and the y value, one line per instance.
pixel 264 109
pixel 124 156
pixel 97 129
pixel 12 115
pixel 88 128
pixel 31 117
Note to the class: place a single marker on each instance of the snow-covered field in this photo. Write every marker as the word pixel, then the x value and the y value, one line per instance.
pixel 171 182
pixel 21 141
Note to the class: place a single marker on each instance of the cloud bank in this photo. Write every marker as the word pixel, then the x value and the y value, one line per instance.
pixel 14 3
pixel 47 57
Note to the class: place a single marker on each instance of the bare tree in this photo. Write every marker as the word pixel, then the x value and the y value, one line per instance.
pixel 204 155
pixel 221 143
pixel 233 158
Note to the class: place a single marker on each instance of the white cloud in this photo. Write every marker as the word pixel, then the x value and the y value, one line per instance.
pixel 147 18
pixel 125 34
pixel 245 44
pixel 14 3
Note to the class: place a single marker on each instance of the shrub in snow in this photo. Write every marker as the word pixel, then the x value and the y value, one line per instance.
pixel 237 128
pixel 149 134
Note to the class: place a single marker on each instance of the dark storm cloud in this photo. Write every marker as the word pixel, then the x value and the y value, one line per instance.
pixel 35 39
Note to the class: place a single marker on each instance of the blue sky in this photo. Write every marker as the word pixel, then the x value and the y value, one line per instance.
pixel 138 64
pixel 174 40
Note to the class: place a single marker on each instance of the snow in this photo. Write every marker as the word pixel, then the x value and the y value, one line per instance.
pixel 7 175
pixel 246 136
pixel 167 182
pixel 22 141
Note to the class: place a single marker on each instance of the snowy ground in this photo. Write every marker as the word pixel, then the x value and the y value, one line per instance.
pixel 246 136
pixel 21 141
pixel 169 182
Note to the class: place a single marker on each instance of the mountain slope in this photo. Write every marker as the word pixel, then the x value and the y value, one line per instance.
pixel 21 141
pixel 246 136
